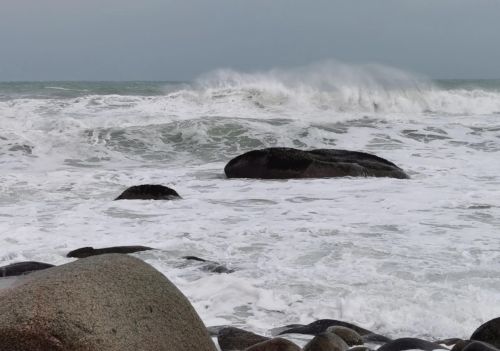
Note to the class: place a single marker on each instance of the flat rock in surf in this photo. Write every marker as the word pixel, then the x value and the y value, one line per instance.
pixel 149 192
pixel 90 251
pixel 20 268
pixel 287 163
pixel 488 332
pixel 209 266
pixel 318 327
pixel 410 344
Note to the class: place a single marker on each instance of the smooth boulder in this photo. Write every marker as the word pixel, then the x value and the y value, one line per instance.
pixel 149 192
pixel 90 251
pixel 488 332
pixel 410 344
pixel 286 163
pixel 101 303
pixel 326 342
pixel 347 334
pixel 276 344
pixel 231 338
pixel 20 268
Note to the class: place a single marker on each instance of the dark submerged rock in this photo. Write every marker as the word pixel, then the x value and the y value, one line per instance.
pixel 448 342
pixel 210 266
pixel 320 326
pixel 90 251
pixel 102 303
pixel 149 192
pixel 231 338
pixel 488 332
pixel 410 344
pixel 348 335
pixel 276 344
pixel 326 342
pixel 285 163
pixel 20 268
pixel 375 338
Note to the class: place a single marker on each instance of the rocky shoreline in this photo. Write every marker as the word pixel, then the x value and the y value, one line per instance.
pixel 118 302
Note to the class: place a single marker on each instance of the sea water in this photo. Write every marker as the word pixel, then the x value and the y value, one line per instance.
pixel 417 257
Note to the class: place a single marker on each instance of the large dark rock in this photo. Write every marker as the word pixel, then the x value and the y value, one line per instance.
pixel 284 163
pixel 20 268
pixel 102 303
pixel 231 338
pixel 488 332
pixel 149 192
pixel 276 344
pixel 90 251
pixel 410 344
pixel 326 342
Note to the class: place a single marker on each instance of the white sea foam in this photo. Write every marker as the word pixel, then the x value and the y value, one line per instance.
pixel 411 257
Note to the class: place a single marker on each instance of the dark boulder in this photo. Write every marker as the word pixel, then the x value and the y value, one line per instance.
pixel 320 326
pixel 231 338
pixel 479 346
pixel 326 342
pixel 276 344
pixel 488 332
pixel 20 268
pixel 102 303
pixel 410 344
pixel 347 334
pixel 90 251
pixel 149 192
pixel 285 163
pixel 375 338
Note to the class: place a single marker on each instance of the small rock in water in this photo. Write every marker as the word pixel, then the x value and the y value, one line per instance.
pixel 20 268
pixel 210 266
pixel 488 332
pixel 231 338
pixel 410 344
pixel 276 344
pixel 326 342
pixel 149 192
pixel 348 335
pixel 90 251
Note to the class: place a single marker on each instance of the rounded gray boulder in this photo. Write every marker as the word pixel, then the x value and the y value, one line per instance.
pixel 103 303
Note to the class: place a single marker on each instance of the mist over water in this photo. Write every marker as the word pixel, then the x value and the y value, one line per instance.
pixel 413 257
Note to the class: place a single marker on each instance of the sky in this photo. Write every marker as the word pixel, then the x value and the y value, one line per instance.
pixel 179 40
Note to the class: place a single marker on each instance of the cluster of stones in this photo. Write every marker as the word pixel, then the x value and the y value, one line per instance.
pixel 335 335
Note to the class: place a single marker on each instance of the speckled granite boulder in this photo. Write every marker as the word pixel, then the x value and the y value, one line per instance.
pixel 103 303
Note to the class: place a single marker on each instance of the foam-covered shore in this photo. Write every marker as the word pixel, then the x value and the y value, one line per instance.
pixel 413 257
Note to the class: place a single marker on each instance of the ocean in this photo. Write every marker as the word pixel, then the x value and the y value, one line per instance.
pixel 417 257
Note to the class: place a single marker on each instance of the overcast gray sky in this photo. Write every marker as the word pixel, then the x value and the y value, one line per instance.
pixel 178 40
